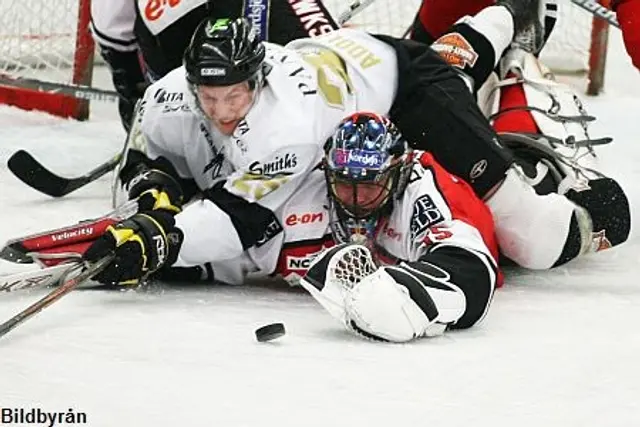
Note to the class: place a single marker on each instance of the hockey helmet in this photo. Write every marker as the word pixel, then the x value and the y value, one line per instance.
pixel 367 163
pixel 224 52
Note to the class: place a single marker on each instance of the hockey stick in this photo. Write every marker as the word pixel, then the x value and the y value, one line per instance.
pixel 53 246
pixel 28 170
pixel 79 92
pixel 67 286
pixel 39 278
pixel 598 10
pixel 355 8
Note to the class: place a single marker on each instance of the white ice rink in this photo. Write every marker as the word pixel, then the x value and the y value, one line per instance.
pixel 558 348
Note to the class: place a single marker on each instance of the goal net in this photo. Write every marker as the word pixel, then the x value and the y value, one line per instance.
pixel 49 40
pixel 578 46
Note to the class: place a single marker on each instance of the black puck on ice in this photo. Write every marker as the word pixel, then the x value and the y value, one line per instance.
pixel 270 332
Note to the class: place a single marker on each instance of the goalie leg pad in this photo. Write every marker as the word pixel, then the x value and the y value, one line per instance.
pixel 532 229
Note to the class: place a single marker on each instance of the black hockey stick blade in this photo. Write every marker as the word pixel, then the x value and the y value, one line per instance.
pixel 30 171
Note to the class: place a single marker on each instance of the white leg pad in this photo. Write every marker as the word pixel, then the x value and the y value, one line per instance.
pixel 531 229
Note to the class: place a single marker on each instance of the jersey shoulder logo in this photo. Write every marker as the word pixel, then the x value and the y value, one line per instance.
pixel 425 214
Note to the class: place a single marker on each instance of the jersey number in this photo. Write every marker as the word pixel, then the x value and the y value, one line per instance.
pixel 330 91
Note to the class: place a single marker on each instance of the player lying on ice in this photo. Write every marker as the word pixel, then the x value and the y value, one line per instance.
pixel 141 44
pixel 246 125
pixel 416 250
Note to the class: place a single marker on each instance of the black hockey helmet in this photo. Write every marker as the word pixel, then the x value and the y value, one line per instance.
pixel 223 52
pixel 367 163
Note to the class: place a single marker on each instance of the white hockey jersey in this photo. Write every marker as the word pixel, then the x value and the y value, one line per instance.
pixel 309 89
pixel 436 209
pixel 112 23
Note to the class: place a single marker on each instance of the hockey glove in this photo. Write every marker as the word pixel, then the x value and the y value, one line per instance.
pixel 156 189
pixel 128 80
pixel 142 244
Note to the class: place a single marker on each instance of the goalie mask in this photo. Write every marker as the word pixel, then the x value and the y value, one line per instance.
pixel 367 163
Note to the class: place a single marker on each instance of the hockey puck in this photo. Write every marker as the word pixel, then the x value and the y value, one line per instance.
pixel 270 332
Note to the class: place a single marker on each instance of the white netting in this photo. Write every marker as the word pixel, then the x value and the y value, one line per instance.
pixel 568 47
pixel 38 36
pixel 382 16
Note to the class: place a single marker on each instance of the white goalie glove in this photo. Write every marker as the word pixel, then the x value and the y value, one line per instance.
pixel 382 303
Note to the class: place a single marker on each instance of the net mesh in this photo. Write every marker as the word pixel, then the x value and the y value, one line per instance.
pixel 567 50
pixel 382 16
pixel 38 37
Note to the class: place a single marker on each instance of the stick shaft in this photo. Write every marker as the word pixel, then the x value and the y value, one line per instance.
pixel 598 10
pixel 67 286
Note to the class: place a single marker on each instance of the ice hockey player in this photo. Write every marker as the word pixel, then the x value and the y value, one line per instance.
pixel 245 129
pixel 142 40
pixel 416 252
pixel 525 98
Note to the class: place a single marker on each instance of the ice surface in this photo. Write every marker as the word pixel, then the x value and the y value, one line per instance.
pixel 559 348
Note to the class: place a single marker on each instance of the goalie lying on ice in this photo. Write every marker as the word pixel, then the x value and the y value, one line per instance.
pixel 417 252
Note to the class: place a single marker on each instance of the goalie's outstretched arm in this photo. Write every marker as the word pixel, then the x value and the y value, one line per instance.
pixel 448 287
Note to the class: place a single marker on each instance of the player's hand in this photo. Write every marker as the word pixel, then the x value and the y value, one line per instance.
pixel 142 244
pixel 155 190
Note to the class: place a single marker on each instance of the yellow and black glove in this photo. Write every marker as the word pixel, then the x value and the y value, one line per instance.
pixel 156 189
pixel 142 244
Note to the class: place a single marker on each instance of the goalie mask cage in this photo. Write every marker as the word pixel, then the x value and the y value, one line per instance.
pixel 50 40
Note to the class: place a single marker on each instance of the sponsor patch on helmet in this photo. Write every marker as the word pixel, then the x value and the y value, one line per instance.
pixel 357 158
pixel 215 71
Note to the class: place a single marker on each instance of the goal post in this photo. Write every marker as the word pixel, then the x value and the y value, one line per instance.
pixel 578 46
pixel 50 40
